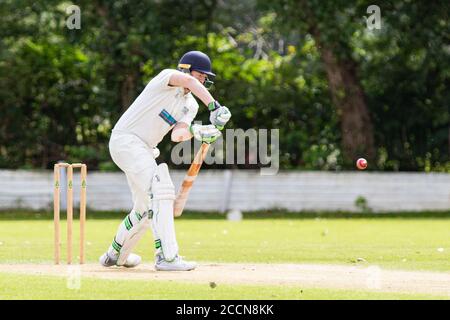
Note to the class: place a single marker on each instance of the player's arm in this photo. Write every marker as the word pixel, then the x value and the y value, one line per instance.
pixel 204 133
pixel 219 114
pixel 181 132
pixel 184 80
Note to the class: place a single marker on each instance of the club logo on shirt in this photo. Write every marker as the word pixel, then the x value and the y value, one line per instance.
pixel 167 117
pixel 185 110
pixel 179 93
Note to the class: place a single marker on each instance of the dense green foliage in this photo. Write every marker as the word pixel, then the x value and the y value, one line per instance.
pixel 62 90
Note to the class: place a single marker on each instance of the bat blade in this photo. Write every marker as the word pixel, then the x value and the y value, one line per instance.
pixel 189 179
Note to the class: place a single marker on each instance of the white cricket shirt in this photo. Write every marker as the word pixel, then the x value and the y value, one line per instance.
pixel 157 109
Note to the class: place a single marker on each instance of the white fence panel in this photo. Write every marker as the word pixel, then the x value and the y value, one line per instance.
pixel 247 190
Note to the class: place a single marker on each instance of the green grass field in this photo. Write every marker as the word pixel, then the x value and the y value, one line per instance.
pixel 406 243
pixel 14 286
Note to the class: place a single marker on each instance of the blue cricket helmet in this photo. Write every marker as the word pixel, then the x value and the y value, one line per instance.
pixel 197 61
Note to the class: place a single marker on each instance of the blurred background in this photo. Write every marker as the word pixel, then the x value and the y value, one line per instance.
pixel 336 89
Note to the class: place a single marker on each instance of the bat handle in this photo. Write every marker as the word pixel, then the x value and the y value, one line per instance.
pixel 189 179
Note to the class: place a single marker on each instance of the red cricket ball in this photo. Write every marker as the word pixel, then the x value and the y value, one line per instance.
pixel 361 163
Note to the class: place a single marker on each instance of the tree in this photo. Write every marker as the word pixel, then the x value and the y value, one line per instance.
pixel 331 25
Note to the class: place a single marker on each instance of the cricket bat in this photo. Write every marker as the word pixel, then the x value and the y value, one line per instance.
pixel 189 179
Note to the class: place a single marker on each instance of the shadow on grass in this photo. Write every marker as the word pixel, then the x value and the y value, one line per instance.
pixel 21 214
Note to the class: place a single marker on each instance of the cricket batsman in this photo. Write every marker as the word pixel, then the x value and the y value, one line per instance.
pixel 166 104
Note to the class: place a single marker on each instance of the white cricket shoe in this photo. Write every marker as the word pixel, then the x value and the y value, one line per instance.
pixel 177 264
pixel 132 261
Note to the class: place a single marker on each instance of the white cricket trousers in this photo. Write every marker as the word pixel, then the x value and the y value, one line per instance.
pixel 136 159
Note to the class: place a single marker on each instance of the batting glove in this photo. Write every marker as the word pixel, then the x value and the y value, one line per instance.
pixel 220 115
pixel 208 133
